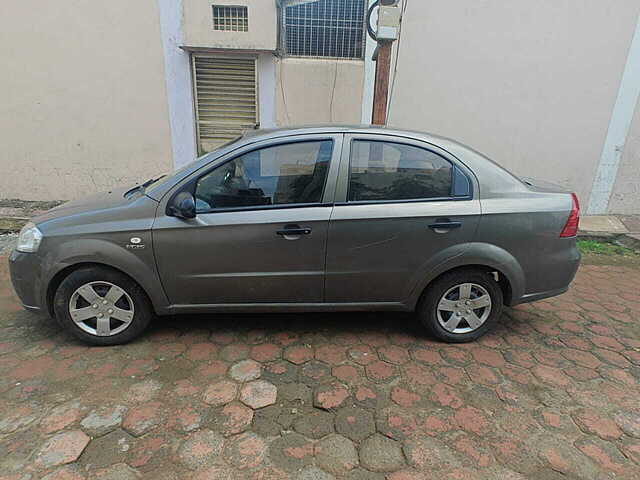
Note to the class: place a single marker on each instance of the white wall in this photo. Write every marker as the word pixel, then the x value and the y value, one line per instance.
pixel 177 66
pixel 530 84
pixel 261 35
pixel 625 198
pixel 84 104
pixel 311 91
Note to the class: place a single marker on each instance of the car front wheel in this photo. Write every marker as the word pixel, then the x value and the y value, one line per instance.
pixel 101 306
pixel 461 306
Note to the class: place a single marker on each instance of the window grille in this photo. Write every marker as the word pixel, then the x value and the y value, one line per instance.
pixel 323 28
pixel 230 19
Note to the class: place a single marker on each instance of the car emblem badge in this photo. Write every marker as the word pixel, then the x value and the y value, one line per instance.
pixel 135 243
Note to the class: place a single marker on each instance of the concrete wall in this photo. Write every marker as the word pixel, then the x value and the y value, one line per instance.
pixel 625 198
pixel 84 104
pixel 530 84
pixel 199 32
pixel 312 91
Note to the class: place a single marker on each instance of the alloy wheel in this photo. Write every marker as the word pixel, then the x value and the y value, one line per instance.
pixel 464 308
pixel 101 308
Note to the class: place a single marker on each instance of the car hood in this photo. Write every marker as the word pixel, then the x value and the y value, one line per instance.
pixel 94 203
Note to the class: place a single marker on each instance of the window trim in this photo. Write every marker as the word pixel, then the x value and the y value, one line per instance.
pixel 399 141
pixel 191 183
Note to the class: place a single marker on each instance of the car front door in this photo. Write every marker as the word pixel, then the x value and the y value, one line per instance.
pixel 400 205
pixel 260 231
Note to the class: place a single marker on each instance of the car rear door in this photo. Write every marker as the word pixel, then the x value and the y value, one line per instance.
pixel 401 205
pixel 260 232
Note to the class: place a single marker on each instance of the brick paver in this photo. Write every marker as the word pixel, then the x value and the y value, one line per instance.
pixel 552 392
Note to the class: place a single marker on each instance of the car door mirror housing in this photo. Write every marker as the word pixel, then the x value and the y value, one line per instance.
pixel 183 205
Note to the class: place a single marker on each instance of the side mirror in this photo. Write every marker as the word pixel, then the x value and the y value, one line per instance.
pixel 183 205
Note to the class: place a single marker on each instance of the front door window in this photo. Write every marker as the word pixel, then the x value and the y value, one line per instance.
pixel 289 174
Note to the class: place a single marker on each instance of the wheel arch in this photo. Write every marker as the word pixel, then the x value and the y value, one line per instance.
pixel 479 256
pixel 59 277
pixel 502 280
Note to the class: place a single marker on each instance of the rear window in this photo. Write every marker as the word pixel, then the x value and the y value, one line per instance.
pixel 384 171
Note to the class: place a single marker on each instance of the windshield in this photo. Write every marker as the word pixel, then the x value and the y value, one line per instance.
pixel 161 180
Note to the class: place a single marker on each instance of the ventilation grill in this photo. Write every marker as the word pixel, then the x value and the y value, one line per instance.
pixel 230 19
pixel 225 90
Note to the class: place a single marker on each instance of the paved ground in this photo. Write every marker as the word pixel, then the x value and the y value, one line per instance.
pixel 554 392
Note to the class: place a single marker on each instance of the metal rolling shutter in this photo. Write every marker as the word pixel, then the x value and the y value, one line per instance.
pixel 225 91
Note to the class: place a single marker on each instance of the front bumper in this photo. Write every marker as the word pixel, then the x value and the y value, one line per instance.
pixel 26 277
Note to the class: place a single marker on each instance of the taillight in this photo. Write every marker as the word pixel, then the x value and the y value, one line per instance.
pixel 571 227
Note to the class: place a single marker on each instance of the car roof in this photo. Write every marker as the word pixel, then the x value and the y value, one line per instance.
pixel 340 128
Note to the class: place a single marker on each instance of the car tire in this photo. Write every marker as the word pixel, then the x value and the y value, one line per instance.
pixel 451 285
pixel 133 308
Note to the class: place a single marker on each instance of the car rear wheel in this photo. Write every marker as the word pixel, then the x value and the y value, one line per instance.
pixel 461 306
pixel 101 306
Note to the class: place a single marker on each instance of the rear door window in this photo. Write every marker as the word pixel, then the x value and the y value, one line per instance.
pixel 385 171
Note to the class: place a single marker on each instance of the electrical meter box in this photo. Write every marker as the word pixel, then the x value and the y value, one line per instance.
pixel 388 22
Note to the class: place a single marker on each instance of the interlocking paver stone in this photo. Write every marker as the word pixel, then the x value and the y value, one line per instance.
pixel 629 422
pixel 551 392
pixel 119 471
pixel 314 372
pixel 355 423
pixel 381 454
pixel 67 472
pixel 592 422
pixel 336 454
pixel 245 371
pixel 313 473
pixel 429 454
pixel 330 396
pixel 201 450
pixel 220 393
pixel 107 450
pixel 316 424
pixel 291 452
pixel 60 417
pixel 103 420
pixel 298 354
pixel 244 451
pixel 143 418
pixel 258 394
pixel 63 448
pixel 233 418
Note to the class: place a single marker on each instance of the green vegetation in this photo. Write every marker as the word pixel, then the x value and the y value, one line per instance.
pixel 604 248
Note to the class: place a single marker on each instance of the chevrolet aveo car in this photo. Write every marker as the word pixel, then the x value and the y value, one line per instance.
pixel 307 219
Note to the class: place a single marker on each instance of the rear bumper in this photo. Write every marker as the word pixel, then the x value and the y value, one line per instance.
pixel 556 272
pixel 534 297
pixel 26 277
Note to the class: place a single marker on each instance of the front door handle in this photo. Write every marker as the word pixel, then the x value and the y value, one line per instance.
pixel 444 224
pixel 294 232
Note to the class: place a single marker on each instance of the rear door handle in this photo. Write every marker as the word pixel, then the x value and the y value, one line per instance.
pixel 294 232
pixel 445 225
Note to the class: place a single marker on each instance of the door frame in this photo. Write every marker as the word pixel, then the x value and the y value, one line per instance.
pixel 342 182
pixel 328 196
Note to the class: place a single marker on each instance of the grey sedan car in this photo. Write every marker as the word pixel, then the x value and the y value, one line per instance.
pixel 307 219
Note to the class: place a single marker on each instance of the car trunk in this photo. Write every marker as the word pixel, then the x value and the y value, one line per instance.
pixel 542 186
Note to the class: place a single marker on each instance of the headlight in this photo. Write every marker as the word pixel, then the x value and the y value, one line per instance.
pixel 29 239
